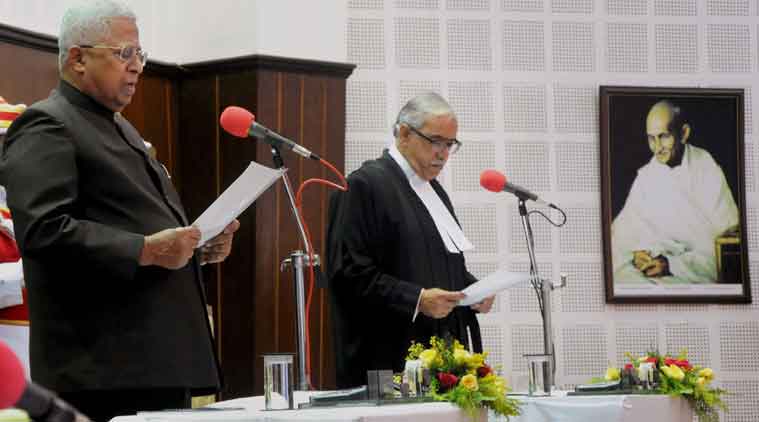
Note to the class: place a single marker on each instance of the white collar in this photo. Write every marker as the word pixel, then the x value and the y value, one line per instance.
pixel 405 166
pixel 452 235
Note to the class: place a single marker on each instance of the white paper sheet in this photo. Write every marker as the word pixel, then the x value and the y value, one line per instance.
pixel 491 285
pixel 235 199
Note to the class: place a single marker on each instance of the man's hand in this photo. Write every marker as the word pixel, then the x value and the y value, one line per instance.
pixel 651 266
pixel 641 259
pixel 170 248
pixel 438 303
pixel 658 267
pixel 218 248
pixel 484 306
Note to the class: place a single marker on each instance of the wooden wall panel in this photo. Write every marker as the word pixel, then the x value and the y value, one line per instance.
pixel 26 75
pixel 236 283
pixel 153 111
pixel 267 279
pixel 256 304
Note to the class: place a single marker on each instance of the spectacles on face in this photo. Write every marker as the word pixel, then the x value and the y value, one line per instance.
pixel 441 144
pixel 125 52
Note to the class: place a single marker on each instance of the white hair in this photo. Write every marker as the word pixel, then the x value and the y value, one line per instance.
pixel 419 109
pixel 89 23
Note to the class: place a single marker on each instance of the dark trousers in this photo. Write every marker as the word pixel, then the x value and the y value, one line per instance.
pixel 103 405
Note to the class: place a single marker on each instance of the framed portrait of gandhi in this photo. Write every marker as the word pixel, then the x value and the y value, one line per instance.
pixel 673 195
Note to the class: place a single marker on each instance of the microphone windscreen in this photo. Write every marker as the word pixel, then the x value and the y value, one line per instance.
pixel 12 375
pixel 492 180
pixel 236 121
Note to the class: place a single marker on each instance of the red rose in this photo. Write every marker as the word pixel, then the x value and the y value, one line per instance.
pixel 447 380
pixel 651 359
pixel 683 363
pixel 483 370
pixel 628 366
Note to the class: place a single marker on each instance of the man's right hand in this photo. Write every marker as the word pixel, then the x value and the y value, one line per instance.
pixel 170 248
pixel 438 303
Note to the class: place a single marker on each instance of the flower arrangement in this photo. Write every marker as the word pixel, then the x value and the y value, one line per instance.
pixel 463 378
pixel 676 377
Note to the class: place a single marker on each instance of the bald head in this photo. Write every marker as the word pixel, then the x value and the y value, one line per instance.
pixel 667 132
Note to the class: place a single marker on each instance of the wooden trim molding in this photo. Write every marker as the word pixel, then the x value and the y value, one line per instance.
pixel 273 63
pixel 163 69
pixel 49 44
pixel 25 38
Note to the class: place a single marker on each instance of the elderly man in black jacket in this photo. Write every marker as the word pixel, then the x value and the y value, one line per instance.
pixel 117 307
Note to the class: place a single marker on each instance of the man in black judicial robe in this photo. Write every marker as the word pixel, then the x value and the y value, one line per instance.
pixel 118 317
pixel 393 277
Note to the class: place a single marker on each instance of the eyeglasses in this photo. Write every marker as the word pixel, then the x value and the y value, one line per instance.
pixel 439 145
pixel 125 52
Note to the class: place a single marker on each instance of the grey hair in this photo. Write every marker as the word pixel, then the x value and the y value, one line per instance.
pixel 89 22
pixel 421 108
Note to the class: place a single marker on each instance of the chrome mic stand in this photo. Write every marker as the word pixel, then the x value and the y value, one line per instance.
pixel 544 288
pixel 299 260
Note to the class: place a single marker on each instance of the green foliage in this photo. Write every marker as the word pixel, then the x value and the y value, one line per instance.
pixel 463 378
pixel 678 378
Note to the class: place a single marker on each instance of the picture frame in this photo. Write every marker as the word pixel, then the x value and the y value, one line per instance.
pixel 673 195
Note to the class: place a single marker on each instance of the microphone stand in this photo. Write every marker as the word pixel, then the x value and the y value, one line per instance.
pixel 544 298
pixel 299 260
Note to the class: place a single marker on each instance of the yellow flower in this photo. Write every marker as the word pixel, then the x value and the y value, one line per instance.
pixel 612 374
pixel 476 360
pixel 414 350
pixel 707 374
pixel 469 382
pixel 701 381
pixel 673 371
pixel 428 357
pixel 461 357
pixel 497 383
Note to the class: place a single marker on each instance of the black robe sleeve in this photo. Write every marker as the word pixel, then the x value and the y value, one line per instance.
pixel 355 245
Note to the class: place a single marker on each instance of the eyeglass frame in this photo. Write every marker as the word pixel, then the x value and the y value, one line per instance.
pixel 452 145
pixel 141 54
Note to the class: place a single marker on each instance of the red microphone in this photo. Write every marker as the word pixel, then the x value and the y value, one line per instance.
pixel 495 181
pixel 492 180
pixel 12 373
pixel 241 123
pixel 237 121
pixel 41 404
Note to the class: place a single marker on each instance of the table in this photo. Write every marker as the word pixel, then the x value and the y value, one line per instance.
pixel 558 408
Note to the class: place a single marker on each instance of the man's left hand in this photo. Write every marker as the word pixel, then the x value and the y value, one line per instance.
pixel 218 248
pixel 484 306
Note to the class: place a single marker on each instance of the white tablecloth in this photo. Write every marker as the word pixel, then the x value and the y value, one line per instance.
pixel 558 408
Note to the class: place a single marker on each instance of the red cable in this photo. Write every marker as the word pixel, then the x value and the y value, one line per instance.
pixel 309 247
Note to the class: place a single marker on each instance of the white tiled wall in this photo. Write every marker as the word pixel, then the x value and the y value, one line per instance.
pixel 523 76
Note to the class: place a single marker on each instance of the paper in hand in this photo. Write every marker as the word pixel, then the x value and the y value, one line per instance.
pixel 492 284
pixel 235 199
